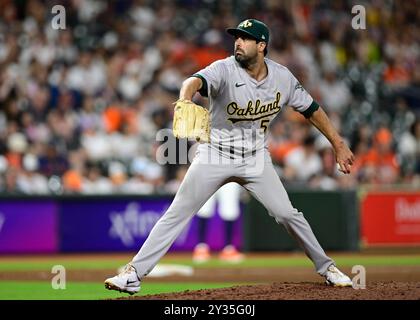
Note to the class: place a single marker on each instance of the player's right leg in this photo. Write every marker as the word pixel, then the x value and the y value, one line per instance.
pixel 200 182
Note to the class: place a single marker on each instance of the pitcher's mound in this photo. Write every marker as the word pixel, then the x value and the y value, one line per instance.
pixel 298 291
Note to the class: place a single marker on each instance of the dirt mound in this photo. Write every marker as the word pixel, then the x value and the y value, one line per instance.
pixel 298 291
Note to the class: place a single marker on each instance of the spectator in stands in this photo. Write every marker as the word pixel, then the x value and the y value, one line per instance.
pixel 335 94
pixel 326 178
pixel 380 162
pixel 29 180
pixel 52 163
pixel 409 148
pixel 173 184
pixel 96 183
pixel 303 162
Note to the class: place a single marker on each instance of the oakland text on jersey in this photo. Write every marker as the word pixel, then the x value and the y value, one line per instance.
pixel 251 113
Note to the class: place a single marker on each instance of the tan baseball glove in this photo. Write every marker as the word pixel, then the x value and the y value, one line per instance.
pixel 191 121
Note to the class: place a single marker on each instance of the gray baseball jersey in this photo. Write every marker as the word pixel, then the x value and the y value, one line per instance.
pixel 241 109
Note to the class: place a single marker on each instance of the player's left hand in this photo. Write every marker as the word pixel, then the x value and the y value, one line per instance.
pixel 344 158
pixel 191 121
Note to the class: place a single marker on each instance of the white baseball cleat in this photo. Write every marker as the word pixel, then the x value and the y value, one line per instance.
pixel 127 281
pixel 336 278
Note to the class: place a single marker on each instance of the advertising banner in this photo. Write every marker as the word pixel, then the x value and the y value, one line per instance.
pixel 123 225
pixel 391 218
pixel 28 227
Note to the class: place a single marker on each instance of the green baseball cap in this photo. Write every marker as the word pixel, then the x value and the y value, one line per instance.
pixel 252 27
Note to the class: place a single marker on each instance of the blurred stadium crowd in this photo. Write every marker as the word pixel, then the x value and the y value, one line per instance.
pixel 80 107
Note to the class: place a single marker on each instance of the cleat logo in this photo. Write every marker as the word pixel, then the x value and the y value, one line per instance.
pixel 130 282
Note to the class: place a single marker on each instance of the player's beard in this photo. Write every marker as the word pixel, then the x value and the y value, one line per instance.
pixel 245 60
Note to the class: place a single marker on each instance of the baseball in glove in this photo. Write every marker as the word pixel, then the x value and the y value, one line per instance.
pixel 191 121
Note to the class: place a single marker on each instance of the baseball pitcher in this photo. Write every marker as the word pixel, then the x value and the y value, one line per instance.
pixel 245 91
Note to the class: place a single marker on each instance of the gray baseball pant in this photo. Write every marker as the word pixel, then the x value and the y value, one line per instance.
pixel 202 181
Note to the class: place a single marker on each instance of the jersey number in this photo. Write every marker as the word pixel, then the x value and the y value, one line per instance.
pixel 264 124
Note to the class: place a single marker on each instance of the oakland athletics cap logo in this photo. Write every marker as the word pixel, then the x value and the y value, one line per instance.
pixel 245 24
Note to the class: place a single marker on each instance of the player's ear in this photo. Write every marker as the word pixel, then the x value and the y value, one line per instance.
pixel 261 46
